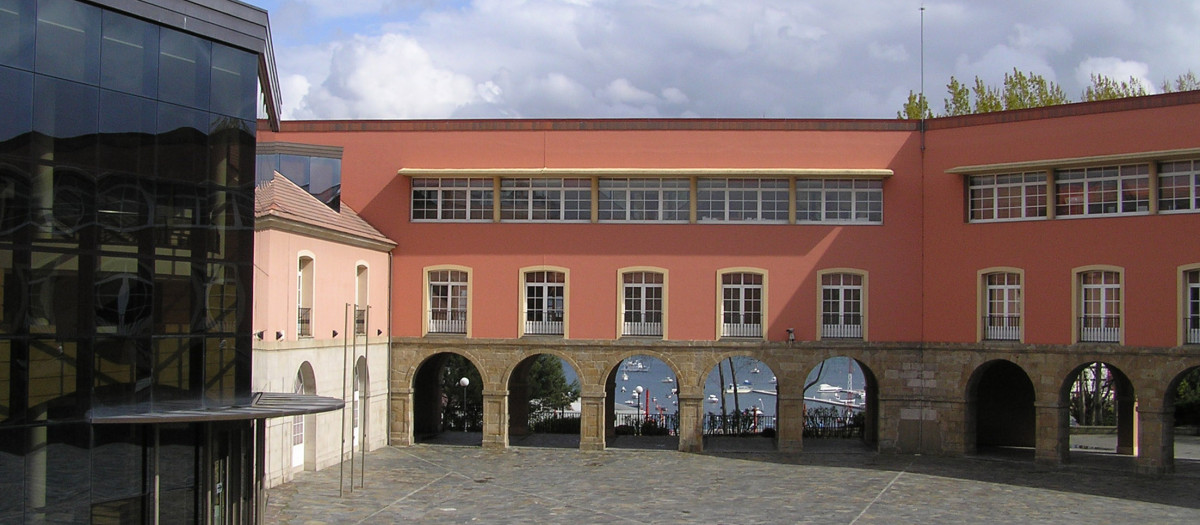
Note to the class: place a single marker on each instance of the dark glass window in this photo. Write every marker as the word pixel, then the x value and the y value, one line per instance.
pixel 234 81
pixel 182 143
pixel 123 205
pixel 127 128
pixel 67 113
pixel 174 311
pixel 68 40
pixel 12 464
pixel 124 296
pixel 183 69
pixel 16 120
pixel 232 214
pixel 14 202
pixel 129 55
pixel 177 463
pixel 16 33
pixel 6 408
pixel 63 491
pixel 122 374
pixel 53 380
pixel 232 151
pixel 119 473
pixel 220 370
pixel 55 294
pixel 174 373
pixel 70 197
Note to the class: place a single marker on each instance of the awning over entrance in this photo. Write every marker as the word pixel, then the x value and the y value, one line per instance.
pixel 265 405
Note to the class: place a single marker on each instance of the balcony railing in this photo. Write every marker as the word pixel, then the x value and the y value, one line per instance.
pixel 360 321
pixel 448 322
pixel 741 330
pixel 1193 329
pixel 304 322
pixel 847 326
pixel 1002 327
pixel 642 329
pixel 543 327
pixel 1099 329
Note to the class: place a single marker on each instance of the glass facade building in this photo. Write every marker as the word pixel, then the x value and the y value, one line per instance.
pixel 127 157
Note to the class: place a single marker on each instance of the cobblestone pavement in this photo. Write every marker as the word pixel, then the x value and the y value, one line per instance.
pixel 833 481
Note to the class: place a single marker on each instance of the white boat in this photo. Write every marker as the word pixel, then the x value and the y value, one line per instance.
pixel 668 380
pixel 772 380
pixel 631 403
pixel 741 389
pixel 712 398
pixel 635 365
pixel 755 370
pixel 624 377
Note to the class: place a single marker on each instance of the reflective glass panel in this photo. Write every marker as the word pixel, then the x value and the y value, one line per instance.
pixel 127 128
pixel 231 160
pixel 53 380
pixel 68 40
pixel 16 120
pixel 16 33
pixel 61 453
pixel 182 143
pixel 14 202
pixel 67 112
pixel 183 69
pixel 234 80
pixel 129 55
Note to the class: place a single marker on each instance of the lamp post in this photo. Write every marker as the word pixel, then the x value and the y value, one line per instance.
pixel 637 392
pixel 463 383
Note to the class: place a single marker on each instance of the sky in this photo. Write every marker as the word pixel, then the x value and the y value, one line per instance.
pixel 460 59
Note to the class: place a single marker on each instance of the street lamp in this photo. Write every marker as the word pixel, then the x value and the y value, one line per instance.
pixel 463 383
pixel 637 392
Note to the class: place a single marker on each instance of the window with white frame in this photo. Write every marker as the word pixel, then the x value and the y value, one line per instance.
pixel 547 199
pixel 304 297
pixel 839 201
pixel 650 199
pixel 1191 299
pixel 1002 306
pixel 1011 196
pixel 1179 186
pixel 643 308
pixel 1103 190
pixel 360 300
pixel 448 302
pixel 841 306
pixel 741 305
pixel 452 199
pixel 742 200
pixel 1100 306
pixel 545 302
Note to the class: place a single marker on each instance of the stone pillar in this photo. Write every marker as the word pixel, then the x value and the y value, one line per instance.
pixel 592 421
pixel 1156 444
pixel 1126 416
pixel 1052 439
pixel 691 421
pixel 518 405
pixel 790 422
pixel 495 419
pixel 400 428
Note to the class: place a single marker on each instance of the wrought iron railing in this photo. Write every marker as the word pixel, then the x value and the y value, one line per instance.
pixel 1002 327
pixel 850 327
pixel 449 322
pixel 832 423
pixel 360 321
pixel 304 322
pixel 741 330
pixel 544 327
pixel 642 329
pixel 1193 329
pixel 737 423
pixel 1100 328
pixel 647 425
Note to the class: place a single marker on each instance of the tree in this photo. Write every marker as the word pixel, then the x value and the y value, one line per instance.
pixel 548 385
pixel 1105 88
pixel 915 108
pixel 1185 82
pixel 459 410
pixel 959 100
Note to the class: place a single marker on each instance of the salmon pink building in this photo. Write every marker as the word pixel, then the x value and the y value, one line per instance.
pixel 972 266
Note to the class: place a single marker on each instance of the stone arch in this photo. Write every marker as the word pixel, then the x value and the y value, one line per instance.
pixel 754 384
pixel 1170 418
pixel 1000 407
pixel 613 370
pixel 307 380
pixel 428 398
pixel 361 396
pixel 516 381
pixel 1123 402
pixel 870 402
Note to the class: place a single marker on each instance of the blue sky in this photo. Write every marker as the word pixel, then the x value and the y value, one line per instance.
pixel 403 59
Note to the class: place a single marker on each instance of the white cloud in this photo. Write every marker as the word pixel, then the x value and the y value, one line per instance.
pixel 710 58
pixel 1114 68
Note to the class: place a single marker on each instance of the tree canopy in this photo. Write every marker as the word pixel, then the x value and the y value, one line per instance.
pixel 548 385
pixel 1022 90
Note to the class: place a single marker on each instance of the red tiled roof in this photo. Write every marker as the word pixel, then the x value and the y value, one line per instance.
pixel 285 200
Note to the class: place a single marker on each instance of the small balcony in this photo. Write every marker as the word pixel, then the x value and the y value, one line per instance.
pixel 1099 329
pixel 543 328
pixel 741 330
pixel 448 322
pixel 844 326
pixel 304 322
pixel 1193 329
pixel 1002 327
pixel 643 329
pixel 360 321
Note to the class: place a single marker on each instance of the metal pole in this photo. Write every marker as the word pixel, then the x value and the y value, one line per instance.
pixel 342 453
pixel 346 320
pixel 362 473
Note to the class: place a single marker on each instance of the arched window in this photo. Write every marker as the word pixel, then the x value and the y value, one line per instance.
pixel 304 297
pixel 360 300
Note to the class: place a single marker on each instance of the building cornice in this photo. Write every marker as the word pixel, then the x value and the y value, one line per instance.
pixel 853 173
pixel 1076 162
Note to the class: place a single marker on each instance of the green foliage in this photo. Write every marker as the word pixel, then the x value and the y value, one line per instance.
pixel 1021 90
pixel 1185 82
pixel 460 411
pixel 1105 88
pixel 915 108
pixel 548 385
pixel 1187 399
